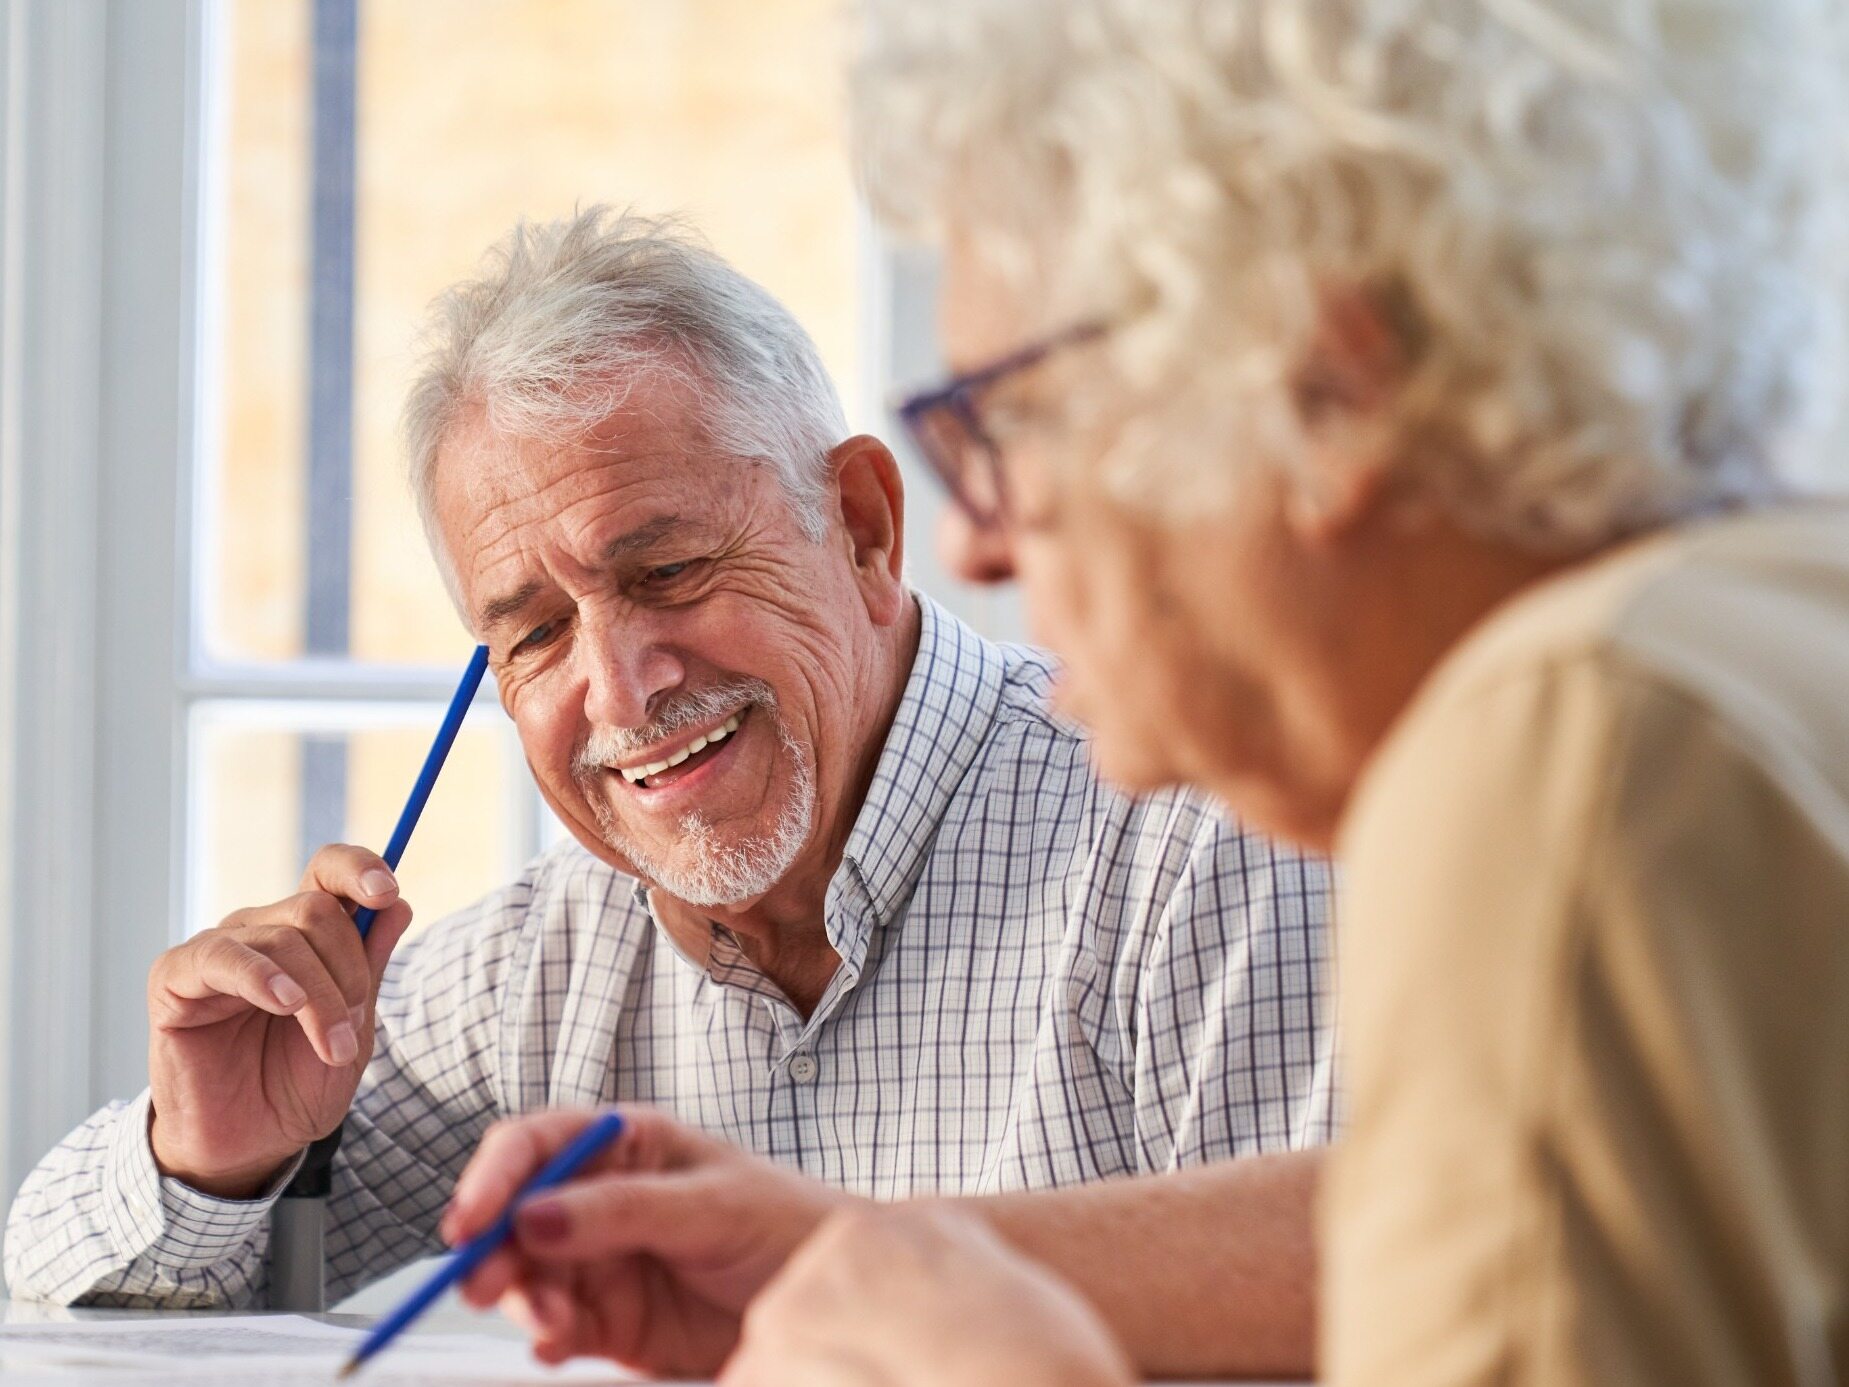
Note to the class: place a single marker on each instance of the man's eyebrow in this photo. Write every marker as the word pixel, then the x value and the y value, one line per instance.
pixel 499 610
pixel 633 541
pixel 640 538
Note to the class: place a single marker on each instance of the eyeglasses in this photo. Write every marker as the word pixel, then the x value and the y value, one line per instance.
pixel 945 425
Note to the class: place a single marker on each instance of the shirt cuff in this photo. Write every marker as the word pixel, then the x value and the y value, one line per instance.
pixel 165 1220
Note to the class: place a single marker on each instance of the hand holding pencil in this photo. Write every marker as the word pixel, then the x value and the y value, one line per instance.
pixel 650 1255
pixel 261 1027
pixel 585 1146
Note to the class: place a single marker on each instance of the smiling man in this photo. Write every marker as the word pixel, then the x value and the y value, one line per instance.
pixel 839 889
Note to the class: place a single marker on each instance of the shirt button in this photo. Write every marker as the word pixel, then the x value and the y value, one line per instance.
pixel 803 1069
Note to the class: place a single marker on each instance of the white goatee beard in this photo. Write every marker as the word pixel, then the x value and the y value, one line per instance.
pixel 713 872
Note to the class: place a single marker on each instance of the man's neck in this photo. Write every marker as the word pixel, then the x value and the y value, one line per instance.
pixel 782 932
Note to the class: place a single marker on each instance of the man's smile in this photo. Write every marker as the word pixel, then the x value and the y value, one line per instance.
pixel 680 761
pixel 643 767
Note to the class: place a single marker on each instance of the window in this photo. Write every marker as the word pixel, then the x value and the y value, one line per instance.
pixel 221 639
pixel 362 157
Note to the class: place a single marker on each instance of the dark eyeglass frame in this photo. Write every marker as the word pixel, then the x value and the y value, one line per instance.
pixel 955 399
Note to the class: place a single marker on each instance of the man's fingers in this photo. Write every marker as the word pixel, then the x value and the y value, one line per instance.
pixel 326 1017
pixel 353 874
pixel 187 984
pixel 273 969
pixel 330 932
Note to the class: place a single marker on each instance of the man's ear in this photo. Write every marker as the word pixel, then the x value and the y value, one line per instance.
pixel 872 498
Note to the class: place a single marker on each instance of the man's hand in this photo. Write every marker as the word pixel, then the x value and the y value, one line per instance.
pixel 649 1256
pixel 920 1294
pixel 261 1027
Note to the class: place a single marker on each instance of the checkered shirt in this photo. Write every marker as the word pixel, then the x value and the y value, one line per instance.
pixel 1042 982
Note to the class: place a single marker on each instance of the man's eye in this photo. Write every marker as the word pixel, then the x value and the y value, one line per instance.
pixel 537 637
pixel 667 572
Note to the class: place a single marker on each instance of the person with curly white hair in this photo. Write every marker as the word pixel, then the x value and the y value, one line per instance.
pixel 1405 417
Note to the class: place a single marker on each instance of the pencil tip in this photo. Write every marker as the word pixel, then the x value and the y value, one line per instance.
pixel 347 1369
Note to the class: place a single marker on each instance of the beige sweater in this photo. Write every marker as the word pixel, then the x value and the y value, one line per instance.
pixel 1595 985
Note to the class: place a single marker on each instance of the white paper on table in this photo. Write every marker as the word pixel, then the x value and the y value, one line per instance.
pixel 283 1348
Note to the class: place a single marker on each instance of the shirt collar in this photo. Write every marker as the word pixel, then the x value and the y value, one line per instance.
pixel 942 722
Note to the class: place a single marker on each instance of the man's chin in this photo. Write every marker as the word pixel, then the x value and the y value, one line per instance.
pixel 703 858
pixel 703 869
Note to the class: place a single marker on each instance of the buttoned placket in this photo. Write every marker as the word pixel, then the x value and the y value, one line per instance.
pixel 794 1068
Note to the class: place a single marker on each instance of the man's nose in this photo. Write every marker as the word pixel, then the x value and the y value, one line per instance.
pixel 627 671
pixel 975 553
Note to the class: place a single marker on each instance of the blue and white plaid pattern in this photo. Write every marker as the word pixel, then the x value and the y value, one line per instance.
pixel 1042 982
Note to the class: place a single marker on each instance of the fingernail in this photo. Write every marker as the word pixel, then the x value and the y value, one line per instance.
pixel 543 1223
pixel 358 1016
pixel 342 1044
pixel 287 991
pixel 376 881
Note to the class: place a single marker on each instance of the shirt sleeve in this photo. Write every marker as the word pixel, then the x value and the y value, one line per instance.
pixel 1592 953
pixel 96 1223
pixel 1223 992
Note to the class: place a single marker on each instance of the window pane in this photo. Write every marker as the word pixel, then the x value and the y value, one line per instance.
pixel 462 116
pixel 271 781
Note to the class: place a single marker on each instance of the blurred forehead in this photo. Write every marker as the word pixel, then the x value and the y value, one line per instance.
pixel 980 309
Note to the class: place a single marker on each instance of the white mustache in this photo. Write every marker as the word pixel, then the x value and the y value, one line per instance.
pixel 711 704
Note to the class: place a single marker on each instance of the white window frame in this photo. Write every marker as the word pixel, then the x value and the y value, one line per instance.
pixel 95 414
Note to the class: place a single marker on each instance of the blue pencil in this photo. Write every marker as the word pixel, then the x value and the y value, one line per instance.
pixel 427 777
pixel 475 1251
pixel 311 1181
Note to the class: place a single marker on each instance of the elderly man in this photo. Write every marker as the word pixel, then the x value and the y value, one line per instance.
pixel 841 891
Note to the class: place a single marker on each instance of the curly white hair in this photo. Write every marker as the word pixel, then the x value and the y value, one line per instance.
pixel 1614 223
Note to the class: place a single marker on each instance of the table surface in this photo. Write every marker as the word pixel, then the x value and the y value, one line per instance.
pixel 28 1312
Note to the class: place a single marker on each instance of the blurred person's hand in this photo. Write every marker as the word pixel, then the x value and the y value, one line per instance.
pixel 261 1027
pixel 920 1295
pixel 650 1256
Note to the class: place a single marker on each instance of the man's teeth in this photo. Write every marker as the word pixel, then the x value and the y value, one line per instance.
pixel 635 775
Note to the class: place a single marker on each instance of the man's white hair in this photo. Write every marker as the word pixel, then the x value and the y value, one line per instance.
pixel 1608 228
pixel 566 316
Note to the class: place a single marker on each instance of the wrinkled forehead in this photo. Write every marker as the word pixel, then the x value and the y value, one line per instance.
pixel 499 496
